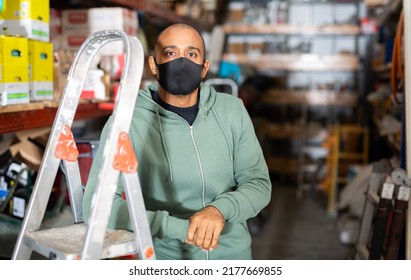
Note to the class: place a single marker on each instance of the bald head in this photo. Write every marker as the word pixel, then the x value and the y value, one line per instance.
pixel 180 33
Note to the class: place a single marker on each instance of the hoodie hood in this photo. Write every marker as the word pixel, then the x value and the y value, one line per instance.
pixel 207 100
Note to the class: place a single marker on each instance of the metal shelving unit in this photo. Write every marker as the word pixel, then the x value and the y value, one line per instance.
pixel 331 101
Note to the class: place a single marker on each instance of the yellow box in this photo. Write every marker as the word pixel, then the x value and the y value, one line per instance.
pixel 27 18
pixel 41 70
pixel 14 77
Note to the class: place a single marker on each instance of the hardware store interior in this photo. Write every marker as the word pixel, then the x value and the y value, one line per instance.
pixel 322 80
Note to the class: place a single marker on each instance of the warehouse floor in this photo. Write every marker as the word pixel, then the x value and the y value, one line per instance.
pixel 299 229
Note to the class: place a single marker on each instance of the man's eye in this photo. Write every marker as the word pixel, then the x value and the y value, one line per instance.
pixel 170 53
pixel 191 54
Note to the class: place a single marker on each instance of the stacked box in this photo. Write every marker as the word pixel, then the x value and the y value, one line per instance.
pixel 55 28
pixel 14 80
pixel 27 18
pixel 77 25
pixel 41 76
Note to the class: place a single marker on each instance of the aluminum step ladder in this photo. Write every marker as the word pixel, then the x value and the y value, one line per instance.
pixel 94 240
pixel 220 84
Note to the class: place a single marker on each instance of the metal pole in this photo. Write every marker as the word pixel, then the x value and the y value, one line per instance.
pixel 407 65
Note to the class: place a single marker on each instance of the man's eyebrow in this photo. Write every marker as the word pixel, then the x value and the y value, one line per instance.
pixel 169 47
pixel 174 47
pixel 194 48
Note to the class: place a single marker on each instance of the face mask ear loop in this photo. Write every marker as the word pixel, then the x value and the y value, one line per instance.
pixel 155 62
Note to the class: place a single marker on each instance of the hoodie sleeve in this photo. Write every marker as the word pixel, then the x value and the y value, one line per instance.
pixel 253 190
pixel 161 223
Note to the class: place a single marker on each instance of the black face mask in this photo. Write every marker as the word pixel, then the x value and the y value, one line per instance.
pixel 180 76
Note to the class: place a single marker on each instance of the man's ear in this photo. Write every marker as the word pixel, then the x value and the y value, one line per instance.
pixel 152 64
pixel 206 65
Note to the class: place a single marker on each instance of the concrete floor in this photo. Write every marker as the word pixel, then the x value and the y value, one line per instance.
pixel 299 229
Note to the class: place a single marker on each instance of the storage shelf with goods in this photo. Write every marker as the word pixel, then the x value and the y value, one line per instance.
pixel 152 10
pixel 157 10
pixel 386 113
pixel 316 49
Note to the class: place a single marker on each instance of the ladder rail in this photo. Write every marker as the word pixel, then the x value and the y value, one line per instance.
pixel 108 177
pixel 134 197
pixel 75 189
pixel 224 82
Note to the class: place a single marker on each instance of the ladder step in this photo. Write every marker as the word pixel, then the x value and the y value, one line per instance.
pixel 66 243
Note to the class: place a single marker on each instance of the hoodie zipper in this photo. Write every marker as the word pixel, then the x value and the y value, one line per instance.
pixel 203 187
pixel 200 165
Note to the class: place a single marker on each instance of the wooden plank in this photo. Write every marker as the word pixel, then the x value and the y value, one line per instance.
pixel 155 9
pixel 287 29
pixel 310 97
pixel 292 131
pixel 21 107
pixel 283 165
pixel 297 62
pixel 22 120
pixel 375 3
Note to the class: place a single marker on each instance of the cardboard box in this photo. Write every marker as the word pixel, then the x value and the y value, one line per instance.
pixel 28 153
pixel 14 77
pixel 96 19
pixel 55 28
pixel 27 18
pixel 73 40
pixel 63 61
pixel 77 25
pixel 27 148
pixel 41 76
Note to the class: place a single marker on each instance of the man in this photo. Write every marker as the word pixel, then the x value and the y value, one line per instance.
pixel 201 167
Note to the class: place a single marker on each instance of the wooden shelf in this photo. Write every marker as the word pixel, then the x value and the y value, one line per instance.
pixel 283 165
pixel 310 97
pixel 31 117
pixel 292 131
pixel 297 62
pixel 375 3
pixel 325 2
pixel 287 29
pixel 151 8
pixel 155 9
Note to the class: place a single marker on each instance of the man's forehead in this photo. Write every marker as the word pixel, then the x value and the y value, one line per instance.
pixel 180 37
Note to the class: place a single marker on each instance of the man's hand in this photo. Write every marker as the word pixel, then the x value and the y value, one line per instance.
pixel 205 228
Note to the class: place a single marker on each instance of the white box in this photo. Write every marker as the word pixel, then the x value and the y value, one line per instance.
pixel 72 41
pixel 77 25
pixel 96 19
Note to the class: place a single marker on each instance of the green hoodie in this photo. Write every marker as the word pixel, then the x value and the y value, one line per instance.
pixel 182 169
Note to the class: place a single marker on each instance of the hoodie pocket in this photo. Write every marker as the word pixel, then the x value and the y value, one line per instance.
pixel 170 249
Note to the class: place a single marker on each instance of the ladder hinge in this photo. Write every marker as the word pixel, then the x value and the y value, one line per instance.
pixel 66 147
pixel 125 159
